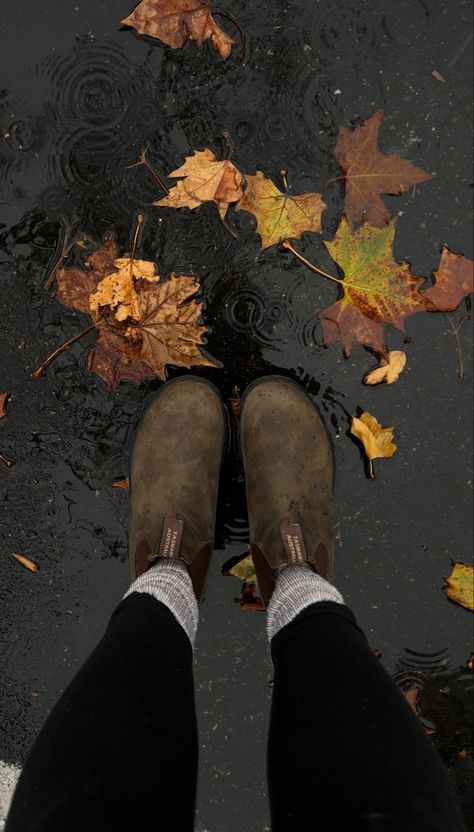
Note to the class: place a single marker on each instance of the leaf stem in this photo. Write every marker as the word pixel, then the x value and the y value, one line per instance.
pixel 336 179
pixel 284 177
pixel 65 248
pixel 371 469
pixel 140 219
pixel 233 19
pixel 455 332
pixel 6 461
pixel 286 244
pixel 144 161
pixel 40 370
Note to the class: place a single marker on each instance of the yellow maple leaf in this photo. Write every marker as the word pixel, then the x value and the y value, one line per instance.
pixel 206 179
pixel 460 585
pixel 377 441
pixel 280 216
pixel 389 369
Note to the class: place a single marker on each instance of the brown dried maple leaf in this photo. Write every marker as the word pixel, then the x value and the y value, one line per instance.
pixel 454 281
pixel 143 323
pixel 174 22
pixel 369 173
pixel 205 179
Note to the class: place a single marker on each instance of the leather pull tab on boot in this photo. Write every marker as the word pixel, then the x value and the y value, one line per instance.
pixel 293 542
pixel 170 543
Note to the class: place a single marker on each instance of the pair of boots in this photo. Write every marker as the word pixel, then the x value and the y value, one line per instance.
pixel 288 464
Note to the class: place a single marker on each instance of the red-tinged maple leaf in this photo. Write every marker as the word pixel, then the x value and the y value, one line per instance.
pixel 369 173
pixel 454 281
pixel 377 289
pixel 143 323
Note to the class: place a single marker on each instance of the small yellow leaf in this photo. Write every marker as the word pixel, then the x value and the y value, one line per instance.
pixel 377 441
pixel 389 369
pixel 26 562
pixel 460 585
pixel 244 570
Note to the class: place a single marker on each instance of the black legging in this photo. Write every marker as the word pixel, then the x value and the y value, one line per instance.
pixel 120 749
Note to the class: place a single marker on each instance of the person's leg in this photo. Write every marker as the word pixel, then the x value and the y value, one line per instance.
pixel 119 750
pixel 346 753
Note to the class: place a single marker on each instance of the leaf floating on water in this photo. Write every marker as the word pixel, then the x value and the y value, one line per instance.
pixel 144 323
pixel 279 215
pixel 389 369
pixel 121 482
pixel 174 22
pixel 460 585
pixel 454 281
pixel 369 173
pixel 206 179
pixel 377 289
pixel 26 562
pixel 377 441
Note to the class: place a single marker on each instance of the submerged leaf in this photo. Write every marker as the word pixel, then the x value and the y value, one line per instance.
pixel 377 441
pixel 26 562
pixel 176 21
pixel 369 173
pixel 460 585
pixel 206 179
pixel 454 281
pixel 377 289
pixel 389 369
pixel 279 215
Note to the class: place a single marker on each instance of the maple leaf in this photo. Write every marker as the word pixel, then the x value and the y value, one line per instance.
pixel 389 369
pixel 369 173
pixel 377 289
pixel 279 215
pixel 174 22
pixel 206 179
pixel 460 585
pixel 143 323
pixel 454 281
pixel 377 441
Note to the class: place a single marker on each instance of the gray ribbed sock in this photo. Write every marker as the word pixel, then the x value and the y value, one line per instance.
pixel 169 582
pixel 297 586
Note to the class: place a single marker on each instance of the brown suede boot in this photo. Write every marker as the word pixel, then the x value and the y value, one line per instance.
pixel 288 463
pixel 175 476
